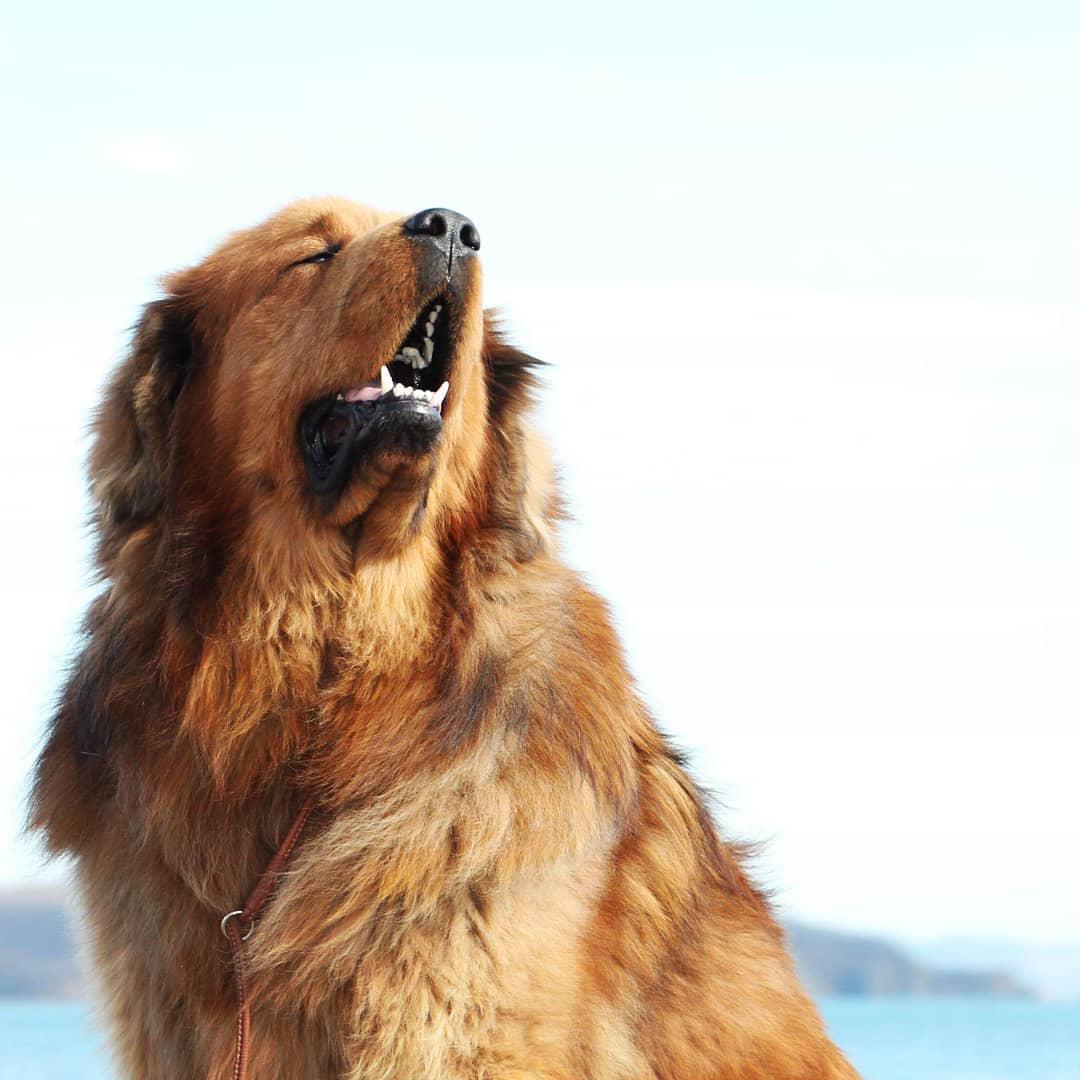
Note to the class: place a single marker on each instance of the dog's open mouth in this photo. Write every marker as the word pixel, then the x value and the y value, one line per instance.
pixel 402 406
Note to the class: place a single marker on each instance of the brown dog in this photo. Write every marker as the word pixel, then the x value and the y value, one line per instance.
pixel 332 577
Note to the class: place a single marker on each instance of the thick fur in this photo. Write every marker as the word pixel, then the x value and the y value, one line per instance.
pixel 510 873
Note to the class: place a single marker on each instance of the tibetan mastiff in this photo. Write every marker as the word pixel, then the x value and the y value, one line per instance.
pixel 334 611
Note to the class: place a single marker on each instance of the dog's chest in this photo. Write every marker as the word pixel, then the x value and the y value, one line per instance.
pixel 480 986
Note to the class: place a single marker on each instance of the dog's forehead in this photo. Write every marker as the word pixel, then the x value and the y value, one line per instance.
pixel 248 259
pixel 333 221
pixel 340 218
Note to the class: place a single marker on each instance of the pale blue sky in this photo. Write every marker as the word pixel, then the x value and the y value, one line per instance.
pixel 852 589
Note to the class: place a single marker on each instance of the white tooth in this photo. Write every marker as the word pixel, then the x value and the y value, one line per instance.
pixel 398 389
pixel 386 380
pixel 429 329
pixel 341 397
pixel 440 395
pixel 410 354
pixel 429 351
pixel 434 313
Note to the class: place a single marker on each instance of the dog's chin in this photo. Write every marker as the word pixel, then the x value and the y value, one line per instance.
pixel 341 440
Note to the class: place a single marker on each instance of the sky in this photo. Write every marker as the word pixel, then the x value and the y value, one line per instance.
pixel 806 279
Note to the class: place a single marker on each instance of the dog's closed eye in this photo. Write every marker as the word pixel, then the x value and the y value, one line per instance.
pixel 319 257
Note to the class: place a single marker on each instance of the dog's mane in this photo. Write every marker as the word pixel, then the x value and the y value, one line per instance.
pixel 144 675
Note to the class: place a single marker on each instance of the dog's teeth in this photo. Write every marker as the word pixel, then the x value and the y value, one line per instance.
pixel 429 351
pixel 440 395
pixel 386 380
pixel 411 356
pixel 398 389
pixel 341 397
pixel 429 329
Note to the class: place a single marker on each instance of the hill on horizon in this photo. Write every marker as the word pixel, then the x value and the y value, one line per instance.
pixel 38 958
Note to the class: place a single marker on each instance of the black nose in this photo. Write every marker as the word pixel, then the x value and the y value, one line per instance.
pixel 449 230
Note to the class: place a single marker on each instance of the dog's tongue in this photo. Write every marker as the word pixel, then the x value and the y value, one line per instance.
pixel 368 392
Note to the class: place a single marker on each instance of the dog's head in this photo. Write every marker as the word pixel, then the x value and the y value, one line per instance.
pixel 331 368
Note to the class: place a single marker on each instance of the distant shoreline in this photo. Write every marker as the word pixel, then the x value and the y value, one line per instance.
pixel 38 959
pixel 852 965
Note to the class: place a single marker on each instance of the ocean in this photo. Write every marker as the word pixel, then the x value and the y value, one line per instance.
pixel 886 1038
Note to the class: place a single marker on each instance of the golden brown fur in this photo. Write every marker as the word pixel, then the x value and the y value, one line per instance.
pixel 510 874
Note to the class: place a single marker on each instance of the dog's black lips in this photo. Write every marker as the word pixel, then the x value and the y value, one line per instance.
pixel 335 434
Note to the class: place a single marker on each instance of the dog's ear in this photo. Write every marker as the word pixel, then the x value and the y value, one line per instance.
pixel 526 501
pixel 510 372
pixel 130 455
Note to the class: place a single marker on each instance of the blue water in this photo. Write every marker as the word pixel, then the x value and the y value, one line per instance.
pixel 887 1039
pixel 957 1038
pixel 50 1041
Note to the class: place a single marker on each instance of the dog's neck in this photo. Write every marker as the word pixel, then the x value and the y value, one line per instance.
pixel 305 616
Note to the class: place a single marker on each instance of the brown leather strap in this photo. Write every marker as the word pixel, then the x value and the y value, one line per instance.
pixel 243 1007
pixel 238 925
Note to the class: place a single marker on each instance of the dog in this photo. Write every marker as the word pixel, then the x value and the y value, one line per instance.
pixel 335 628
